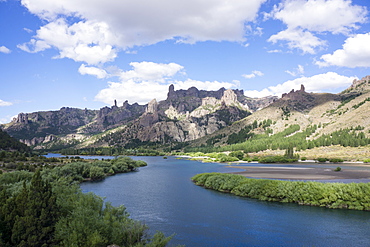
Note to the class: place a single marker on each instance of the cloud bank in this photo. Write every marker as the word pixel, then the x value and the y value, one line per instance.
pixel 355 53
pixel 148 80
pixel 5 103
pixel 316 83
pixel 106 27
pixel 305 19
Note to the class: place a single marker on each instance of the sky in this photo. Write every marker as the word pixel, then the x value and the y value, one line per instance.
pixel 88 53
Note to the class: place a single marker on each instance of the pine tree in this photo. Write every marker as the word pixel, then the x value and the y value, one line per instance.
pixel 31 215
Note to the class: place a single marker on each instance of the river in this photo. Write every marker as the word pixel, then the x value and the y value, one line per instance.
pixel 163 196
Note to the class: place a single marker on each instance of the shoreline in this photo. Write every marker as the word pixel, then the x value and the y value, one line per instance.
pixel 301 173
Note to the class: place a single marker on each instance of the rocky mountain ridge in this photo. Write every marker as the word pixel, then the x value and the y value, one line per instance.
pixel 195 117
pixel 329 112
pixel 185 115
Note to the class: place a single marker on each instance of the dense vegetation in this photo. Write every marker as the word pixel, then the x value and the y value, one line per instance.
pixel 47 208
pixel 292 136
pixel 331 195
pixel 9 143
pixel 111 151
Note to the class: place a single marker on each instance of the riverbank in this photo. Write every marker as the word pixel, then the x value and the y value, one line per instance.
pixel 330 195
pixel 301 173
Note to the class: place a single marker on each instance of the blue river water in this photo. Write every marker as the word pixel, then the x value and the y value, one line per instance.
pixel 162 196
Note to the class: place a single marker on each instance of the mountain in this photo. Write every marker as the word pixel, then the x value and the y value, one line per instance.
pixel 184 116
pixel 317 115
pixel 9 143
pixel 207 120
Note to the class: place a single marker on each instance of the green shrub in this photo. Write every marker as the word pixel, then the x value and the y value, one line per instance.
pixel 331 195
pixel 338 169
pixel 227 158
pixel 336 160
pixel 237 154
pixel 321 160
pixel 277 159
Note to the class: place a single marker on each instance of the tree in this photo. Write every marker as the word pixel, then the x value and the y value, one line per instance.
pixel 30 217
pixel 289 152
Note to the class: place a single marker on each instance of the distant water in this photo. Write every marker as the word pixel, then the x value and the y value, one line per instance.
pixel 162 196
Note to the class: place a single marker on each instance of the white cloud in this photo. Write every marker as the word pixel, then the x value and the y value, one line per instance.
pixel 274 51
pixel 253 74
pixel 105 27
pixel 204 85
pixel 298 71
pixel 354 53
pixel 151 71
pixel 5 103
pixel 298 39
pixel 4 49
pixel 149 80
pixel 28 30
pixel 90 42
pixel 317 83
pixel 99 73
pixel 305 17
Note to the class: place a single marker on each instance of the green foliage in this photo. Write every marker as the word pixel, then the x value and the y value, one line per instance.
pixel 331 195
pixel 29 217
pixel 93 170
pixel 215 139
pixel 241 136
pixel 291 137
pixel 286 112
pixel 9 143
pixel 112 151
pixel 347 99
pixel 237 154
pixel 338 169
pixel 51 210
pixel 361 103
pixel 336 160
pixel 277 159
pixel 226 158
pixel 322 160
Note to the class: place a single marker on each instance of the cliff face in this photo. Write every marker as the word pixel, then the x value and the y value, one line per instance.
pixel 184 116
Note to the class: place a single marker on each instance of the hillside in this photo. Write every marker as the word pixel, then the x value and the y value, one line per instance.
pixel 9 143
pixel 304 120
pixel 223 120
pixel 184 116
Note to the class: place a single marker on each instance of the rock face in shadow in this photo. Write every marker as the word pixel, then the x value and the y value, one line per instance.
pixel 302 101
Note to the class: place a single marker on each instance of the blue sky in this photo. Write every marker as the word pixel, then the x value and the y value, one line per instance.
pixel 87 53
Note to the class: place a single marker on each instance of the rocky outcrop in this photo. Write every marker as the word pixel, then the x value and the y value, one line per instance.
pixel 184 116
pixel 364 80
pixel 150 115
pixel 257 104
pixel 39 140
pixel 21 118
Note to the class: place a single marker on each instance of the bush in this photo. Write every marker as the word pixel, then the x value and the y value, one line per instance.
pixel 227 158
pixel 237 154
pixel 330 195
pixel 338 169
pixel 322 160
pixel 335 160
pixel 304 158
pixel 277 159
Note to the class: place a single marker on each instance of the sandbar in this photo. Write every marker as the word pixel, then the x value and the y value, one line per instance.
pixel 301 173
